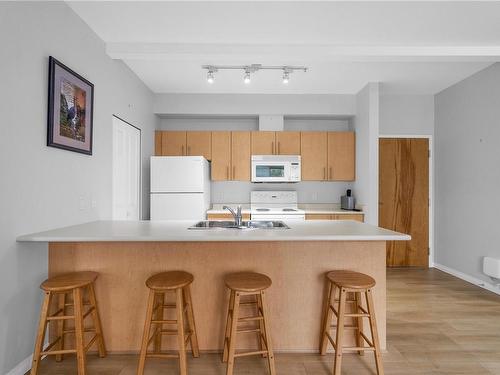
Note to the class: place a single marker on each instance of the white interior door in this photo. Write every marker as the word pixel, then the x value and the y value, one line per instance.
pixel 126 170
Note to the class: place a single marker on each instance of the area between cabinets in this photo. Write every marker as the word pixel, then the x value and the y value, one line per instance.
pixel 326 156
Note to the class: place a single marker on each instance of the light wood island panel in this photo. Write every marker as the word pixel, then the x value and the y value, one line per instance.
pixel 295 299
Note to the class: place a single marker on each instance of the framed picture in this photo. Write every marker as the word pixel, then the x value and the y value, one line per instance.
pixel 71 105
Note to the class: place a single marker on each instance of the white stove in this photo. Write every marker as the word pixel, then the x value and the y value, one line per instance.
pixel 275 205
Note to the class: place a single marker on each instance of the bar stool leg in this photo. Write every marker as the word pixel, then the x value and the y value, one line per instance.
pixel 227 336
pixel 262 331
pixel 101 346
pixel 40 337
pixel 374 332
pixel 360 342
pixel 79 330
pixel 193 337
pixel 327 318
pixel 233 333
pixel 145 335
pixel 337 364
pixel 158 305
pixel 267 330
pixel 61 326
pixel 180 332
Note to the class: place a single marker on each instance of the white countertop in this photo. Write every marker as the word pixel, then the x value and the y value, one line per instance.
pixel 142 231
pixel 309 208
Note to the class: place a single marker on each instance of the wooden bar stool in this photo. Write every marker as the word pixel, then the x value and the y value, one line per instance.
pixel 177 282
pixel 357 284
pixel 247 284
pixel 76 284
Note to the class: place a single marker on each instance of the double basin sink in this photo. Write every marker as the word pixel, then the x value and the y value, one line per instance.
pixel 213 224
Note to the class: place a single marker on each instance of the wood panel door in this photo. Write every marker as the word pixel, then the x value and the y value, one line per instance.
pixel 263 143
pixel 199 143
pixel 404 198
pixel 288 143
pixel 313 146
pixel 221 156
pixel 240 156
pixel 341 156
pixel 173 143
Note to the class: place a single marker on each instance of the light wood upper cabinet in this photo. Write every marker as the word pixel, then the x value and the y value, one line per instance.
pixel 341 156
pixel 199 143
pixel 313 147
pixel 240 156
pixel 288 143
pixel 173 143
pixel 221 156
pixel 263 143
pixel 158 135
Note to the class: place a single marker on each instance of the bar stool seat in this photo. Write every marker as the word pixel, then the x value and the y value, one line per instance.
pixel 350 279
pixel 177 283
pixel 169 280
pixel 253 285
pixel 69 281
pixel 247 281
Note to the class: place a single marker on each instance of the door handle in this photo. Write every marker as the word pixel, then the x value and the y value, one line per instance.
pixel 279 146
pixel 189 150
pixel 324 173
pixel 227 172
pixel 272 148
pixel 331 174
pixel 182 150
pixel 234 172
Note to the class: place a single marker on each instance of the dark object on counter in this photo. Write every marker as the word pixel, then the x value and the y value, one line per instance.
pixel 347 202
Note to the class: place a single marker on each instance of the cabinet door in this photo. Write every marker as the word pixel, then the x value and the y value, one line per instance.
pixel 158 135
pixel 263 143
pixel 240 156
pixel 173 143
pixel 341 156
pixel 319 217
pixel 199 144
pixel 313 146
pixel 221 156
pixel 357 217
pixel 288 143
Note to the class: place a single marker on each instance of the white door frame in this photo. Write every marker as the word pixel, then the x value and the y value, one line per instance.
pixel 140 163
pixel 431 186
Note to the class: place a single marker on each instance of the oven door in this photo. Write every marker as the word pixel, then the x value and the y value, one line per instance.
pixel 270 172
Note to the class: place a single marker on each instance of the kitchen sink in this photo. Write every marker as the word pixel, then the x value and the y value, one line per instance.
pixel 216 224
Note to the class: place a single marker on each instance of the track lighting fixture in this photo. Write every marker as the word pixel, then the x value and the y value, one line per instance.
pixel 249 69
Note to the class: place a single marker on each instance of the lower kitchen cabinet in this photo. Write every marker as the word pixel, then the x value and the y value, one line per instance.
pixel 357 217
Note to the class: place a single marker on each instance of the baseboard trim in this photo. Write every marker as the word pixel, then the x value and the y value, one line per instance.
pixel 23 367
pixel 470 279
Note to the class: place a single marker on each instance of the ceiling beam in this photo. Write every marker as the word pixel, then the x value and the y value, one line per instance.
pixel 249 53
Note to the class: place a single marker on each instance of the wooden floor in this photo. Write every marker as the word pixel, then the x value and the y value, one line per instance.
pixel 437 324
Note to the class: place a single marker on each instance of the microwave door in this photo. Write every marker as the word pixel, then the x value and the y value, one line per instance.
pixel 269 172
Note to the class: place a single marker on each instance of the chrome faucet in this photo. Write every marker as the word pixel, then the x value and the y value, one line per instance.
pixel 238 221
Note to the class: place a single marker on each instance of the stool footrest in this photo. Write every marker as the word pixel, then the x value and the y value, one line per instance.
pixel 248 330
pixel 250 318
pixel 245 354
pixel 55 352
pixel 92 340
pixel 164 321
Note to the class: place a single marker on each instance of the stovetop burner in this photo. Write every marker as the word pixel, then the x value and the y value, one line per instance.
pixel 263 209
pixel 289 210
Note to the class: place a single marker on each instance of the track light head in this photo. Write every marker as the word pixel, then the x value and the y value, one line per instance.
pixel 210 77
pixel 246 77
pixel 286 76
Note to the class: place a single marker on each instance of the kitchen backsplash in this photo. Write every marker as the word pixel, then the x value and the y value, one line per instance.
pixel 308 191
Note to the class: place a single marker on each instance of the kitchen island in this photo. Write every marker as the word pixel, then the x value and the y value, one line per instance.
pixel 126 253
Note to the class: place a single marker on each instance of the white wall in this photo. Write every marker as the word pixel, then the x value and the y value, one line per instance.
pixel 467 143
pixel 366 126
pixel 255 104
pixel 41 186
pixel 406 114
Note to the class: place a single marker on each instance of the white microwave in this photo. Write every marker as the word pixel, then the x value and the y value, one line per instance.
pixel 275 168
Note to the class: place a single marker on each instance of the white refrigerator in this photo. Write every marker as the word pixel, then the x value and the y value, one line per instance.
pixel 180 187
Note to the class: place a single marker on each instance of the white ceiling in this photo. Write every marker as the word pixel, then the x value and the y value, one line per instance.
pixel 411 47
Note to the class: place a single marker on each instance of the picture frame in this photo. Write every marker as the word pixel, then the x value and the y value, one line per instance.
pixel 70 109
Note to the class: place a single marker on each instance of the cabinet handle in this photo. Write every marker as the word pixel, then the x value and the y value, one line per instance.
pixel 234 172
pixel 331 174
pixel 189 150
pixel 279 146
pixel 227 172
pixel 324 173
pixel 272 148
pixel 182 150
